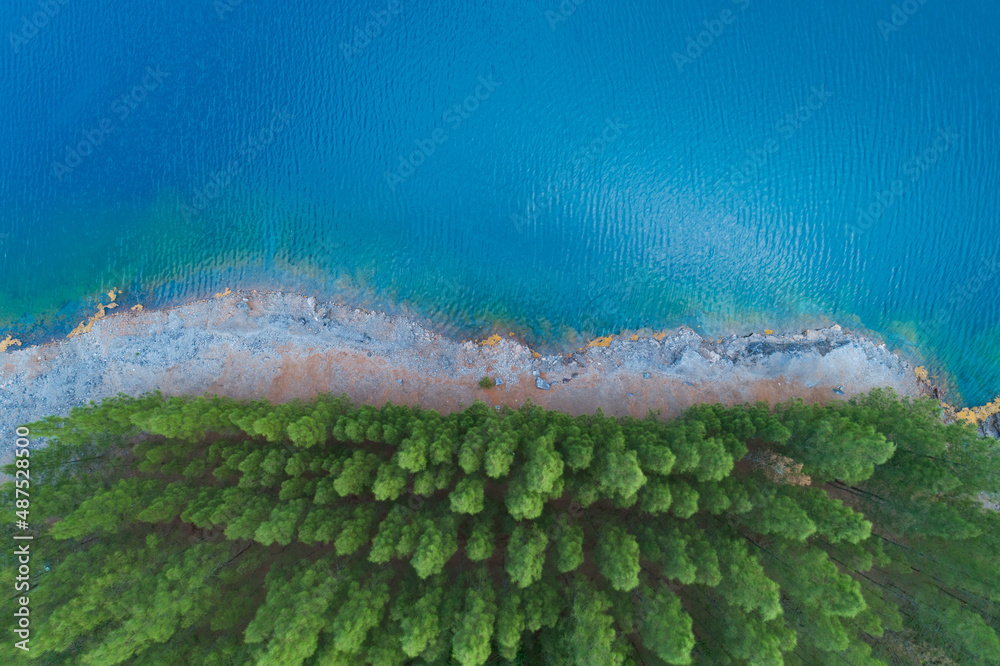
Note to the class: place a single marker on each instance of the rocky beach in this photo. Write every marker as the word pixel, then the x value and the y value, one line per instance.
pixel 284 346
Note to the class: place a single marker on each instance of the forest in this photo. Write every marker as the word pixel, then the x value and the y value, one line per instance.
pixel 205 530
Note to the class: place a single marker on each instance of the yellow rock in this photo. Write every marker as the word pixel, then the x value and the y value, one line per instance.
pixel 967 415
pixel 601 342
pixel 659 336
pixel 136 308
pixel 921 373
pixel 85 326
pixel 536 354
pixel 768 331
pixel 9 342
pixel 490 341
pixel 634 338
pixel 979 414
pixel 223 293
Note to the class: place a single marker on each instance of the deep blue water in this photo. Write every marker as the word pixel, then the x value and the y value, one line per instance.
pixel 600 171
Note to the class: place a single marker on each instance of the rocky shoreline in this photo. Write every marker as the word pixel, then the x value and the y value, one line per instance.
pixel 285 346
pixel 991 427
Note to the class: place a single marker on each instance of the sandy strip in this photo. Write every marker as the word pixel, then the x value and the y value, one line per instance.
pixel 284 346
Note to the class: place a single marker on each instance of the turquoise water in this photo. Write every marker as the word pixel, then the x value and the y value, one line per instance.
pixel 563 169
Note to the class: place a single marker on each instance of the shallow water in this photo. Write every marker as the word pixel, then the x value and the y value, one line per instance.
pixel 609 174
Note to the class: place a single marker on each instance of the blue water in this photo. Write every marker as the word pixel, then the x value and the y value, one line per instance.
pixel 600 171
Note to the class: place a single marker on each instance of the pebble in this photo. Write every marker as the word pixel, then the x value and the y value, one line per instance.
pixel 542 384
pixel 645 375
pixel 497 382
